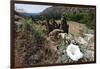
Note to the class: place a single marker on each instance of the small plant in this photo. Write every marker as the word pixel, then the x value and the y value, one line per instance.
pixel 25 24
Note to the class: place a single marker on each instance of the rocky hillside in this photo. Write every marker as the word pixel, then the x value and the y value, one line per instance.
pixel 58 10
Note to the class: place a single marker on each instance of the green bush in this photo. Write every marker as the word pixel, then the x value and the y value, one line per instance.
pixel 25 24
pixel 83 17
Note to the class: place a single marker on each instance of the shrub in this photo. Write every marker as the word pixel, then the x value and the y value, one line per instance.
pixel 82 17
pixel 26 24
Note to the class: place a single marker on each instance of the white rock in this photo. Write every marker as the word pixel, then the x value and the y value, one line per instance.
pixel 69 36
pixel 74 52
pixel 81 40
pixel 88 36
pixel 62 35
pixel 65 36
